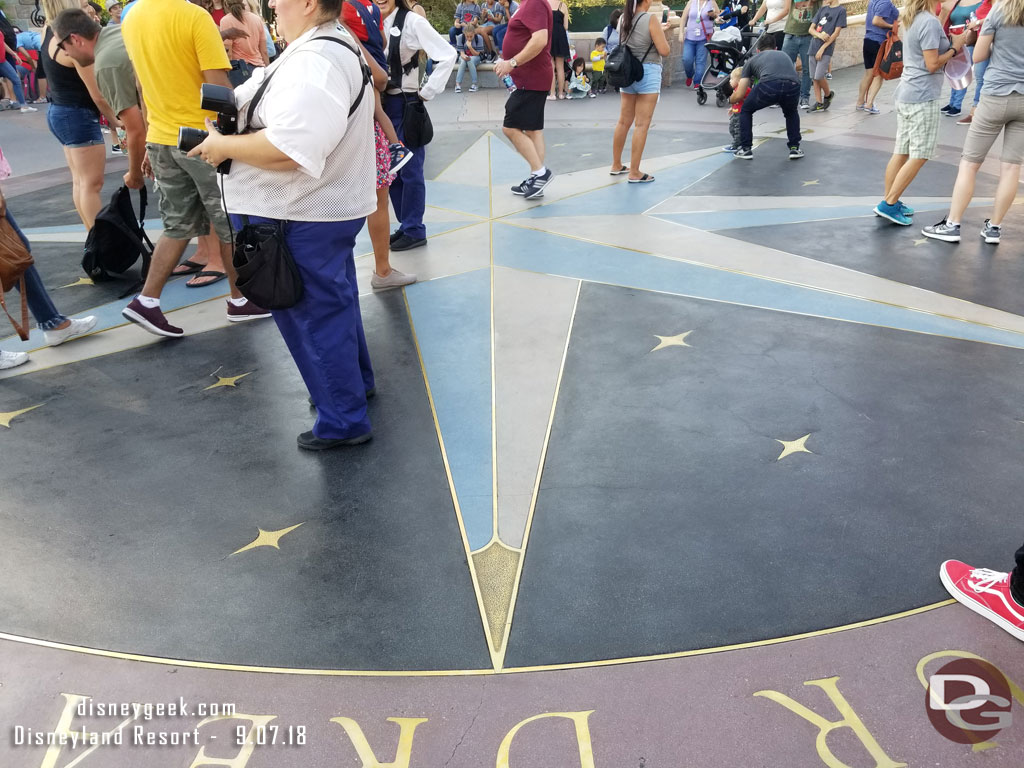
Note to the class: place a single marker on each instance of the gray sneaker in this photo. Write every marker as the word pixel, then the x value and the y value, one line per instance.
pixel 804 104
pixel 394 279
pixel 944 231
pixel 990 232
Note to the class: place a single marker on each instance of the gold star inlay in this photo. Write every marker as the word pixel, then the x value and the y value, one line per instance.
pixel 671 341
pixel 80 281
pixel 266 539
pixel 812 183
pixel 7 418
pixel 920 241
pixel 793 446
pixel 227 381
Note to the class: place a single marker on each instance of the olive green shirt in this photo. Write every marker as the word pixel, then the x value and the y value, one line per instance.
pixel 801 14
pixel 115 75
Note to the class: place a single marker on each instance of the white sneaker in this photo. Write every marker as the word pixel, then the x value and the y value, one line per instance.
pixel 26 109
pixel 394 279
pixel 77 328
pixel 12 359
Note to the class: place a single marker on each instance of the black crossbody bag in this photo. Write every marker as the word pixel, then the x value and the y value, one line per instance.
pixel 417 129
pixel 266 269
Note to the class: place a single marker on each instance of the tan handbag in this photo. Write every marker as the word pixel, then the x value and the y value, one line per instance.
pixel 14 260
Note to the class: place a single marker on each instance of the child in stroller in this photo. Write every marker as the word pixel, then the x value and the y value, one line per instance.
pixel 728 48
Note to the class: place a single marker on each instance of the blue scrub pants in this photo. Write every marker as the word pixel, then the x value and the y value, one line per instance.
pixel 409 189
pixel 324 331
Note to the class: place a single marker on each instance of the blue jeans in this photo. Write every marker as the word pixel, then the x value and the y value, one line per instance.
pixel 798 45
pixel 499 35
pixel 39 303
pixel 409 188
pixel 956 96
pixel 979 78
pixel 8 71
pixel 463 63
pixel 324 331
pixel 695 59
pixel 785 93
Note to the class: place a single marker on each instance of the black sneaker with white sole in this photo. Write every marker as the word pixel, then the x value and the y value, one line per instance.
pixel 538 183
pixel 522 186
pixel 400 155
pixel 795 153
pixel 744 154
pixel 944 231
pixel 990 232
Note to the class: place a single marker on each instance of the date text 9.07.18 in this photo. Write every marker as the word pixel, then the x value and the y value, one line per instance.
pixel 270 735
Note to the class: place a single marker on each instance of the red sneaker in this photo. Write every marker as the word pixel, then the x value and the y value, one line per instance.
pixel 247 311
pixel 689 82
pixel 985 592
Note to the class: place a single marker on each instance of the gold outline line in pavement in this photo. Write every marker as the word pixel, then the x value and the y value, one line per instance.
pixel 451 484
pixel 536 484
pixel 299 671
pixel 461 213
pixel 772 309
pixel 789 282
pixel 487 132
pixel 494 401
pixel 463 225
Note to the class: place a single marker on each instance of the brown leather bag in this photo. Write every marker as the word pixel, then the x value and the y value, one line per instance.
pixel 14 260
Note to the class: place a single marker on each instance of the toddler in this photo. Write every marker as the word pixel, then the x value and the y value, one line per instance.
pixel 579 86
pixel 597 59
pixel 734 110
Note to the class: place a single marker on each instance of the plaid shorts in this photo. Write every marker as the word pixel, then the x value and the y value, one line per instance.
pixel 189 194
pixel 917 129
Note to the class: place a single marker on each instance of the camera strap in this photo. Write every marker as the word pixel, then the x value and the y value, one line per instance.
pixel 251 111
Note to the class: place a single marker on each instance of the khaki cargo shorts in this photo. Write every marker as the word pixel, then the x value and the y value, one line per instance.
pixel 995 115
pixel 189 194
pixel 917 129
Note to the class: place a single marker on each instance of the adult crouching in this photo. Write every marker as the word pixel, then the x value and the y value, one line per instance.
pixel 306 161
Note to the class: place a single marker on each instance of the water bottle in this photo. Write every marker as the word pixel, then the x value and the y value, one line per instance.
pixel 510 86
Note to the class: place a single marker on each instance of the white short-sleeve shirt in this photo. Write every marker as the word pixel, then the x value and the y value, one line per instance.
pixel 304 111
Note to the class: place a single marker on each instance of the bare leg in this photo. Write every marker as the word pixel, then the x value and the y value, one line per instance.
pixel 896 162
pixel 862 88
pixel 627 112
pixel 385 122
pixel 209 245
pixel 963 189
pixel 873 89
pixel 166 256
pixel 378 224
pixel 903 179
pixel 560 74
pixel 1006 192
pixel 524 144
pixel 645 104
pixel 89 162
pixel 229 269
pixel 537 137
pixel 75 191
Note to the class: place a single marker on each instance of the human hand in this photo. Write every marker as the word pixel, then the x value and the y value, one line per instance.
pixel 147 167
pixel 213 149
pixel 959 41
pixel 134 181
pixel 817 56
pixel 233 34
pixel 502 68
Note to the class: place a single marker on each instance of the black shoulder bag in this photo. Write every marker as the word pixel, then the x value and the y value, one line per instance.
pixel 623 68
pixel 417 130
pixel 267 274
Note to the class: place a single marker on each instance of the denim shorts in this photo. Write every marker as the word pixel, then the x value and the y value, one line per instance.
pixel 650 83
pixel 74 126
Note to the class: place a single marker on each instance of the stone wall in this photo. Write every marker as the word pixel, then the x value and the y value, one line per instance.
pixel 19 12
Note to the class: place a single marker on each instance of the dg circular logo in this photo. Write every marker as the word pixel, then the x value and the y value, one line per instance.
pixel 968 701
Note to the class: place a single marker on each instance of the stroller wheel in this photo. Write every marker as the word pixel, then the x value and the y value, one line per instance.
pixel 702 96
pixel 720 99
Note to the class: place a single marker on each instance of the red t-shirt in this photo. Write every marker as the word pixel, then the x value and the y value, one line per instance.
pixel 218 14
pixel 536 74
pixel 350 18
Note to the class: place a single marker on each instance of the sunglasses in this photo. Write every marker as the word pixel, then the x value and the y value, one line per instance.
pixel 60 45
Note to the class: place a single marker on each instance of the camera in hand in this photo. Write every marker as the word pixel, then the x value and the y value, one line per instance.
pixel 219 99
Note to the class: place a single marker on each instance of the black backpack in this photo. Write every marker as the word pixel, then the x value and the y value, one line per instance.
pixel 623 68
pixel 117 239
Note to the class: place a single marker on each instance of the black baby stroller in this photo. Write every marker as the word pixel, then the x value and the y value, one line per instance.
pixel 724 55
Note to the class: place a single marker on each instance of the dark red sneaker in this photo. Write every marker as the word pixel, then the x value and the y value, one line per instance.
pixel 247 311
pixel 152 320
pixel 985 592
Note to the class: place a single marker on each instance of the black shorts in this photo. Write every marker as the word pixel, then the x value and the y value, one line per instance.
pixel 871 49
pixel 524 110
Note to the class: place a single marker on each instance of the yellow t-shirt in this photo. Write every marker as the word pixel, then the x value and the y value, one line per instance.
pixel 597 60
pixel 170 43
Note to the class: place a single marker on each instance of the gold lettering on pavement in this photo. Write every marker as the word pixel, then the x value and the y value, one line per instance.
pixel 403 754
pixel 242 758
pixel 850 720
pixel 71 702
pixel 579 719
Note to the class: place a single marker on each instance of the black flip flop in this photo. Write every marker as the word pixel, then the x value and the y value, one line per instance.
pixel 619 172
pixel 645 179
pixel 192 268
pixel 207 273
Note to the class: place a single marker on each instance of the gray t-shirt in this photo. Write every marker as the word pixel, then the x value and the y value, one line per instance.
pixel 640 43
pixel 1005 73
pixel 115 75
pixel 917 84
pixel 770 65
pixel 826 20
